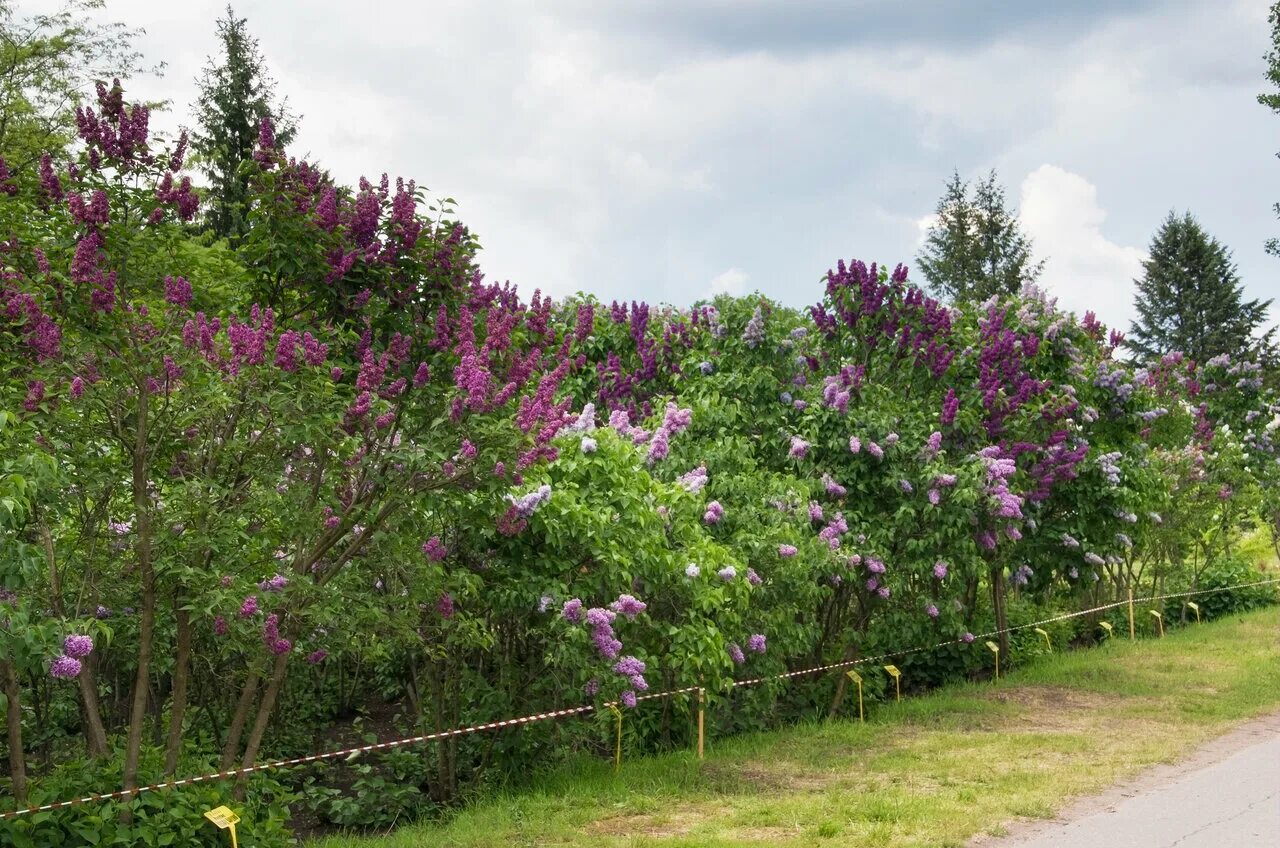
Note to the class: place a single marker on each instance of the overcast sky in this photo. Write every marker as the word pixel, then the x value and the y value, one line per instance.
pixel 655 150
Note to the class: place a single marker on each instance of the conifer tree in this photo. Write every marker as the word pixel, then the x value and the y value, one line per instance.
pixel 976 248
pixel 1190 298
pixel 236 93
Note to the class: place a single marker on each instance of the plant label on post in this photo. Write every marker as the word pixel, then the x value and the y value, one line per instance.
pixel 1195 608
pixel 1159 620
pixel 857 678
pixel 995 649
pixel 897 679
pixel 1105 625
pixel 1045 634
pixel 224 819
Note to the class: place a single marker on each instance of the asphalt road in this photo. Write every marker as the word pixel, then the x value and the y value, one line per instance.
pixel 1226 795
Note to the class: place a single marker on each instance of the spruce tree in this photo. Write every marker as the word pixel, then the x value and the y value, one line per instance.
pixel 976 248
pixel 1190 298
pixel 236 93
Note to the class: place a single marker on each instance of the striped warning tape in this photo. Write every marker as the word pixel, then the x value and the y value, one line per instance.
pixel 571 711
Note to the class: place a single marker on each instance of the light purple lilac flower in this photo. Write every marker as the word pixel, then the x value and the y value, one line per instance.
pixel 65 668
pixel 756 644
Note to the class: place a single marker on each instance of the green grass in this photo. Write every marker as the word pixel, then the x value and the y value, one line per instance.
pixel 932 771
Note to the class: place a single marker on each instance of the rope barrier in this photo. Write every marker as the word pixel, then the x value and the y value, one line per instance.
pixel 572 711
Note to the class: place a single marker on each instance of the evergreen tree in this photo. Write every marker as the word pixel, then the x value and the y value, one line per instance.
pixel 1190 298
pixel 236 93
pixel 976 249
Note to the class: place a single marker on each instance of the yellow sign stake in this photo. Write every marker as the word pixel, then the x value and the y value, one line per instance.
pixel 224 819
pixel 857 678
pixel 1195 608
pixel 1045 634
pixel 897 679
pixel 995 649
pixel 1131 629
pixel 617 751
pixel 1159 621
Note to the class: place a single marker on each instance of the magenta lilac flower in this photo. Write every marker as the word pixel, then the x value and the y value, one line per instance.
pixel 249 607
pixel 714 513
pixel 77 646
pixel 787 550
pixel 756 644
pixel 65 668
pixel 275 583
pixel 435 549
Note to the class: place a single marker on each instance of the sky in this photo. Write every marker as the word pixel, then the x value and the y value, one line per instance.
pixel 670 150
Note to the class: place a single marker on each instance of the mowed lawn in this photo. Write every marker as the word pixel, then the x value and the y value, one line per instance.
pixel 932 771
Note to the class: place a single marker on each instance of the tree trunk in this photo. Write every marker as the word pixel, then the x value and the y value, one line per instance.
pixel 13 716
pixel 147 622
pixel 181 674
pixel 95 734
pixel 850 653
pixel 265 707
pixel 997 604
pixel 232 746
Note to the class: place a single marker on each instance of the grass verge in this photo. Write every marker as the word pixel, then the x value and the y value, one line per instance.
pixel 931 771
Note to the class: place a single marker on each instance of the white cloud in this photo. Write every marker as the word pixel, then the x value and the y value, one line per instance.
pixel 1059 210
pixel 923 225
pixel 729 282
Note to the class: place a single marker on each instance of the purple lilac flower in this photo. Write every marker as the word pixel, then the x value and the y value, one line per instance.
pixel 883 592
pixel 891 439
pixel 572 610
pixel 77 646
pixel 706 367
pixel 691 570
pixel 756 644
pixel 220 626
pixel 274 584
pixel 872 584
pixel 967 638
pixel 875 450
pixel 753 334
pixel 694 480
pixel 905 485
pixel 931 611
pixel 65 668
pixel 435 549
pixel 628 606
pixel 628 699
pixel 628 666
pixel 753 578
pixel 934 496
pixel 714 513
pixel 316 657
pixel 855 444
pixel 833 488
pixel 934 443
pixel 735 654
pixel 1093 559
pixel 799 447
pixel 249 607
pixel 592 688
pixel 727 573
pixel 940 570
pixel 102 612
pixel 589 444
pixel 444 605
pixel 787 550
pixel 815 511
